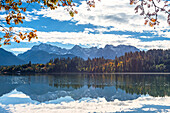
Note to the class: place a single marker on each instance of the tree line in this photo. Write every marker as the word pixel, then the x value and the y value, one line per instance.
pixel 143 61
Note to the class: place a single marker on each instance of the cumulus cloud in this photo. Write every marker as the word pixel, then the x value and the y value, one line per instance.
pixel 29 16
pixel 100 40
pixel 158 44
pixel 20 49
pixel 83 38
pixel 89 39
pixel 117 14
pixel 58 14
pixel 165 33
pixel 146 36
pixel 22 29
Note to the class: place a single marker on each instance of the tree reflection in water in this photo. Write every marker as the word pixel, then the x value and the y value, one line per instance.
pixel 111 86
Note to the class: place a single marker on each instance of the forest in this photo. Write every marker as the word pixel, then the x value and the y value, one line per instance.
pixel 143 61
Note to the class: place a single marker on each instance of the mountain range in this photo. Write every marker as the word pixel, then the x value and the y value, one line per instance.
pixel 8 58
pixel 44 52
pixel 108 52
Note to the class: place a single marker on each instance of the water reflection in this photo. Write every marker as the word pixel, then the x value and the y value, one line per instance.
pixel 50 87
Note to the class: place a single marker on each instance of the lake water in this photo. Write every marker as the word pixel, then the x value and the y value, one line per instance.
pixel 58 88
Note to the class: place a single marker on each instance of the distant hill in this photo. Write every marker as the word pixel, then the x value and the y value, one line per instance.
pixel 39 56
pixel 108 52
pixel 8 58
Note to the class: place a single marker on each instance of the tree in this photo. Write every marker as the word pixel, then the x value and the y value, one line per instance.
pixel 151 9
pixel 29 64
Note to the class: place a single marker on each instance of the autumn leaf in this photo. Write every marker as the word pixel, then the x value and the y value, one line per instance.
pixel 131 2
pixel 146 21
pixel 71 13
pixel 153 20
pixel 10 28
pixel 150 24
pixel 76 12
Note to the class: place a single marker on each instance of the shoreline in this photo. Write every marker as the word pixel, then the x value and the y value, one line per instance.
pixel 71 73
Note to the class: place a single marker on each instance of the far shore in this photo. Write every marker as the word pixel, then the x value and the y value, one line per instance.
pixel 70 73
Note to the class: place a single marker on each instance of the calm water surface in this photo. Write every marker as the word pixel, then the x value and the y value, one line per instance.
pixel 43 88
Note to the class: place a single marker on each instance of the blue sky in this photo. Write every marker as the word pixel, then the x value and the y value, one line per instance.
pixel 111 22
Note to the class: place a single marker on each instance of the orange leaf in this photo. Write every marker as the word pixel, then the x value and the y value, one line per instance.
pixel 153 20
pixel 150 24
pixel 146 21
pixel 131 2
pixel 76 12
pixel 10 28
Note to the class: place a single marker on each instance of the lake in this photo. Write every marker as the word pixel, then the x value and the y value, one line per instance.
pixel 56 89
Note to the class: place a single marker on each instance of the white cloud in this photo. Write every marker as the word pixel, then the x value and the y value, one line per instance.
pixel 146 36
pixel 20 49
pixel 164 34
pixel 22 29
pixel 58 14
pixel 44 26
pixel 100 40
pixel 118 14
pixel 2 16
pixel 84 38
pixel 30 17
pixel 158 44
pixel 88 39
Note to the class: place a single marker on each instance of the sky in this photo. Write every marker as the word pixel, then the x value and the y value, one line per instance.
pixel 112 22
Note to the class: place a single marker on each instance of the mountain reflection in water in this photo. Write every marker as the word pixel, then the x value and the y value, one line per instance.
pixel 122 87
